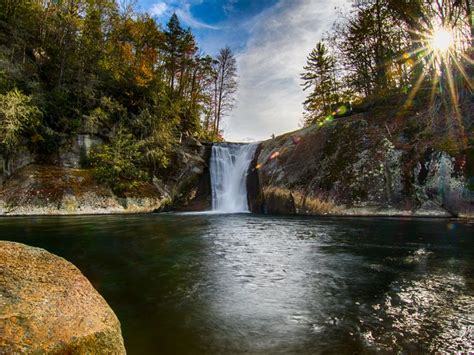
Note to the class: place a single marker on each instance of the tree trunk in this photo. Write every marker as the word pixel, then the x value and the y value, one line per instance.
pixel 215 104
pixel 221 93
pixel 380 58
pixel 62 66
pixel 470 21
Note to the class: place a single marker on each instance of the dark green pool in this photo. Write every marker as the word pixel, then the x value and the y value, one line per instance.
pixel 259 284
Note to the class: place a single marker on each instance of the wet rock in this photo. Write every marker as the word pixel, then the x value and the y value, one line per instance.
pixel 190 180
pixel 48 306
pixel 254 191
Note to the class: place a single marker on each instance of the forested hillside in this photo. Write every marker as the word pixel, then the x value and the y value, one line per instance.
pixel 94 67
pixel 397 60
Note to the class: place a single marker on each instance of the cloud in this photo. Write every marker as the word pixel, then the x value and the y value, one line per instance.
pixel 270 96
pixel 158 9
pixel 184 13
pixel 182 8
pixel 229 6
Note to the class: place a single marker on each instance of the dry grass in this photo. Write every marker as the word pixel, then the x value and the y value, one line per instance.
pixel 308 204
pixel 276 192
pixel 303 204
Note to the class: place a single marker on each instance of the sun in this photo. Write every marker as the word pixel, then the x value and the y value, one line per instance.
pixel 441 40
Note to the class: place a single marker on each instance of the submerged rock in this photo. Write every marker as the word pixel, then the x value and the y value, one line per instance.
pixel 48 306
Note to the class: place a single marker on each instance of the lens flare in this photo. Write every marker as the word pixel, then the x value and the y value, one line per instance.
pixel 295 139
pixel 442 40
pixel 274 155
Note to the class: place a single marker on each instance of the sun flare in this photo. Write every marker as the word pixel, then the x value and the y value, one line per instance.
pixel 442 40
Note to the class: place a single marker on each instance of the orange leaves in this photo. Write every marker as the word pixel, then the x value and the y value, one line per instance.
pixel 140 62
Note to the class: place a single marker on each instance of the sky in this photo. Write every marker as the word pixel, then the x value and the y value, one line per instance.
pixel 271 40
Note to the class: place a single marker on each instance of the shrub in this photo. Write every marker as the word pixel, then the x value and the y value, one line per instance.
pixel 119 164
pixel 19 119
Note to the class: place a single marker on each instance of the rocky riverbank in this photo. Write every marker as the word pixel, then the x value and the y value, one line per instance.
pixel 358 166
pixel 43 190
pixel 35 188
pixel 354 166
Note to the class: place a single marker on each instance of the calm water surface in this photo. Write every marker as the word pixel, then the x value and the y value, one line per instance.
pixel 188 284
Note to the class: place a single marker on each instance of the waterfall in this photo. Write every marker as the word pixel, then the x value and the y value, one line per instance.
pixel 229 166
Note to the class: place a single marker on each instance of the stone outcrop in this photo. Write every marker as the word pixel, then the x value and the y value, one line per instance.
pixel 352 166
pixel 189 182
pixel 254 192
pixel 75 149
pixel 62 188
pixel 357 165
pixel 69 155
pixel 8 167
pixel 48 306
pixel 39 190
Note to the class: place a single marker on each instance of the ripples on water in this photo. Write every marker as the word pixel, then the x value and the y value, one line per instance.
pixel 244 283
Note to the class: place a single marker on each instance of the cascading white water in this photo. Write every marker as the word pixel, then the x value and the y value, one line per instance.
pixel 229 167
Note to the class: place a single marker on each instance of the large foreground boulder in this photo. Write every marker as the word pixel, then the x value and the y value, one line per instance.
pixel 48 306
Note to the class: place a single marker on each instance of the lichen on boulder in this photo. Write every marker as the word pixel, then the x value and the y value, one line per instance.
pixel 48 306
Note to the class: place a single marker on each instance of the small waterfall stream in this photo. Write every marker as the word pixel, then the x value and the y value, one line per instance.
pixel 228 167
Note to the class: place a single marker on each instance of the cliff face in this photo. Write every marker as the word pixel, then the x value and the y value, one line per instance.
pixel 355 167
pixel 39 189
pixel 62 188
pixel 190 181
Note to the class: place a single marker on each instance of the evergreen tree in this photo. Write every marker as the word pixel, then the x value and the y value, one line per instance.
pixel 319 76
pixel 173 48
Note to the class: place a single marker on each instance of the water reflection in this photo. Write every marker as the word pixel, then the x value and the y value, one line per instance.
pixel 434 308
pixel 244 283
pixel 256 273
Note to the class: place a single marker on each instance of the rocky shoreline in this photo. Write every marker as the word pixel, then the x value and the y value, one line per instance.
pixel 50 190
pixel 29 188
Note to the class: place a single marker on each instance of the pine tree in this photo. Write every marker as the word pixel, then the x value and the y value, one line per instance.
pixel 173 48
pixel 318 75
